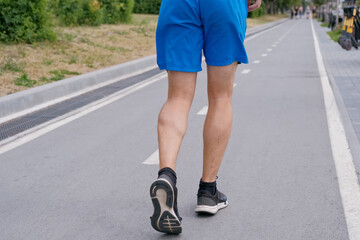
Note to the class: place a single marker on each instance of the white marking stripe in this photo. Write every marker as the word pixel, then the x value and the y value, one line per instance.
pixel 245 71
pixel 235 84
pixel 264 55
pixel 153 159
pixel 256 61
pixel 348 181
pixel 274 45
pixel 269 49
pixel 42 129
pixel 203 111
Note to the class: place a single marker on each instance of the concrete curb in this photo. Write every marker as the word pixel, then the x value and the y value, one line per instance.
pixel 265 26
pixel 24 102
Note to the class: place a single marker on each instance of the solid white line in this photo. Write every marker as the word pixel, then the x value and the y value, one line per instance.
pixel 245 71
pixel 153 159
pixel 348 181
pixel 71 95
pixel 235 84
pixel 256 61
pixel 203 111
pixel 264 55
pixel 42 129
pixel 269 49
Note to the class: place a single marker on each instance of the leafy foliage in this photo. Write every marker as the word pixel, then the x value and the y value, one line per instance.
pixel 147 6
pixel 116 11
pixel 24 20
pixel 258 12
pixel 79 12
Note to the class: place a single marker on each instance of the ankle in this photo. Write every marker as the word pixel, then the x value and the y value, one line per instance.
pixel 207 186
pixel 168 172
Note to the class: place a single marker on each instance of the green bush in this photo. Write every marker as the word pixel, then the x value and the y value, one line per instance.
pixel 258 12
pixel 116 11
pixel 147 6
pixel 24 20
pixel 79 12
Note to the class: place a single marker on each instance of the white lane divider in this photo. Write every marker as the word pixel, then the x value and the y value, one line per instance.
pixel 345 170
pixel 274 45
pixel 264 55
pixel 256 61
pixel 235 84
pixel 203 111
pixel 245 71
pixel 153 159
pixel 269 49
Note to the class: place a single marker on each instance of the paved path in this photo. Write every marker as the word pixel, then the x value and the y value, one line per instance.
pixel 87 180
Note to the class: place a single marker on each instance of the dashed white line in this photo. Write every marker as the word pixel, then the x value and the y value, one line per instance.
pixel 153 159
pixel 203 111
pixel 269 49
pixel 346 173
pixel 256 61
pixel 274 45
pixel 264 55
pixel 245 71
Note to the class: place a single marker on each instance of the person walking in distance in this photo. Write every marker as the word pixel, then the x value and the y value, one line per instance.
pixel 186 28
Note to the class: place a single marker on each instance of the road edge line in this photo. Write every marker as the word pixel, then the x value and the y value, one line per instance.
pixel 344 164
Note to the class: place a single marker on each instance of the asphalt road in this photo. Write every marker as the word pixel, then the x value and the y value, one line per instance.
pixel 87 180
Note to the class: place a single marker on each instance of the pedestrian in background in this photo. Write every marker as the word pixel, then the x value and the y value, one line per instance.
pixel 300 11
pixel 308 11
pixel 186 28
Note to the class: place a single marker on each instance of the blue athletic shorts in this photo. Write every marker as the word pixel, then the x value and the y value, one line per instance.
pixel 188 27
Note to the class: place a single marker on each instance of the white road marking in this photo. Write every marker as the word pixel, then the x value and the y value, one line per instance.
pixel 348 181
pixel 245 71
pixel 203 111
pixel 256 61
pixel 235 84
pixel 264 55
pixel 274 45
pixel 269 49
pixel 153 159
pixel 44 128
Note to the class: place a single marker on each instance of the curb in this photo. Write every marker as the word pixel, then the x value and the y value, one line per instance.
pixel 24 102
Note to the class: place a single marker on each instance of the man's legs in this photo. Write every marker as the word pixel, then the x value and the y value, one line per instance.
pixel 171 130
pixel 173 116
pixel 217 127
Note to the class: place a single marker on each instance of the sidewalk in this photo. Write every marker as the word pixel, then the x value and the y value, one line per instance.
pixel 343 70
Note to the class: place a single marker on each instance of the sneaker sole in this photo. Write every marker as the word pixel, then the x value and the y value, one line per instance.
pixel 204 209
pixel 164 218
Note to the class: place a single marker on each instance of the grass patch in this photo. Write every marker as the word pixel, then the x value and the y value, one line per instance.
pixel 334 35
pixel 59 75
pixel 253 22
pixel 11 65
pixel 25 81
pixel 324 24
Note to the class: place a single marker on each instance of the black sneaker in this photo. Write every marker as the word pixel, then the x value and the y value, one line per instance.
pixel 210 204
pixel 163 194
